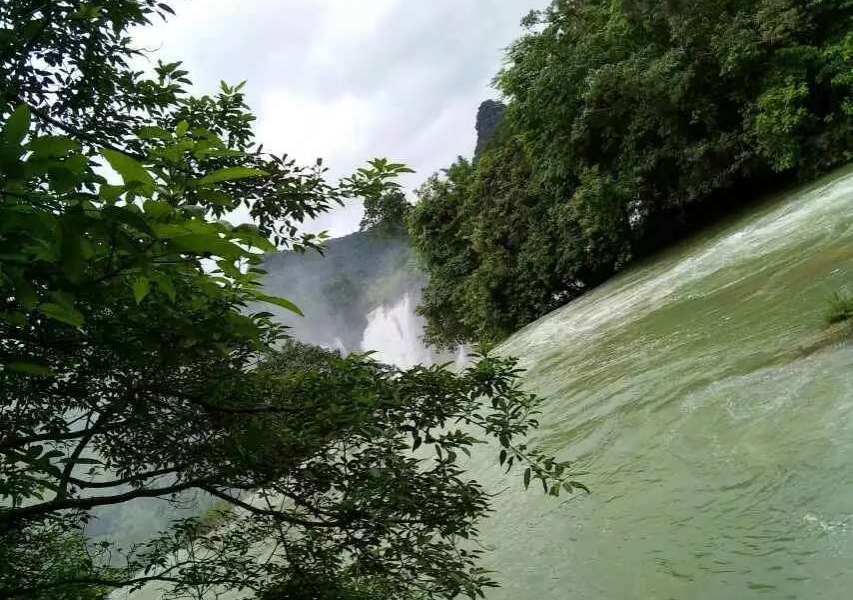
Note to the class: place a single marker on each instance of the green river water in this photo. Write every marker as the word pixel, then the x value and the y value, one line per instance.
pixel 714 411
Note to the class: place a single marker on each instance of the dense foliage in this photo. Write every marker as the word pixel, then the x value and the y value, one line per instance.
pixel 132 366
pixel 385 214
pixel 628 122
pixel 840 308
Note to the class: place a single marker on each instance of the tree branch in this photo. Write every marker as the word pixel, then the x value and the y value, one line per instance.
pixel 100 423
pixel 18 442
pixel 43 115
pixel 11 516
pixel 75 455
pixel 129 479
pixel 275 514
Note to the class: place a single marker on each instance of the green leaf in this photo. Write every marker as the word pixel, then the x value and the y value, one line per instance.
pixel 34 451
pixel 18 319
pixel 282 302
pixel 62 180
pixel 30 369
pixel 24 292
pixel 225 153
pixel 216 197
pixel 111 192
pixel 154 133
pixel 229 269
pixel 126 216
pixel 157 208
pixel 53 146
pixel 230 174
pixel 130 169
pixel 205 244
pixel 141 288
pixel 250 235
pixel 527 474
pixel 63 313
pixel 165 284
pixel 17 125
pixel 71 251
pixel 580 485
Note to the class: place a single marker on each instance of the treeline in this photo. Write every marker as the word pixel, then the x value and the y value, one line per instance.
pixel 628 123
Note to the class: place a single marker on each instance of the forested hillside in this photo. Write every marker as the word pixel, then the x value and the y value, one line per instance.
pixel 629 122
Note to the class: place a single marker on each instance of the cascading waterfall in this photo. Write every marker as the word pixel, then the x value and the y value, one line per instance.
pixel 394 333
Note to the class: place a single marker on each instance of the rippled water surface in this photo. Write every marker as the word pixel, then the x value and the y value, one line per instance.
pixel 715 413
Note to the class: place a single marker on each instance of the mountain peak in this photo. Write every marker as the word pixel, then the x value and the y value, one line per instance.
pixel 489 116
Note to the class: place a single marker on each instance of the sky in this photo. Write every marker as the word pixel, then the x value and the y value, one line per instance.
pixel 349 80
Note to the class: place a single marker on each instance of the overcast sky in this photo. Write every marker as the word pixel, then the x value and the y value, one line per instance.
pixel 349 80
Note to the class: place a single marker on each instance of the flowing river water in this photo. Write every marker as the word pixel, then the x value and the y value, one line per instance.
pixel 714 412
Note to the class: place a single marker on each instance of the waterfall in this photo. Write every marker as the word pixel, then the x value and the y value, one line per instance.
pixel 394 333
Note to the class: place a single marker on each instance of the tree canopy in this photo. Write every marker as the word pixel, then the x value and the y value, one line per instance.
pixel 628 123
pixel 132 366
pixel 386 213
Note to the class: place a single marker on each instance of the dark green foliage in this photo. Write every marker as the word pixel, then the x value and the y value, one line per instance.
pixel 385 205
pixel 840 308
pixel 628 123
pixel 435 225
pixel 136 362
pixel 51 551
pixel 386 214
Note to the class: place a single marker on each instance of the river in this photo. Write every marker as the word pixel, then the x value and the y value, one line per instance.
pixel 714 412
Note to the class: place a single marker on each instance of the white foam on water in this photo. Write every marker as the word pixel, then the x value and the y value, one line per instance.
pixel 644 288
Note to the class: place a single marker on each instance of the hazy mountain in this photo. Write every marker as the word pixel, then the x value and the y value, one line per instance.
pixel 337 291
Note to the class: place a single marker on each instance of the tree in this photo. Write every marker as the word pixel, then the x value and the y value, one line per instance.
pixel 386 214
pixel 436 228
pixel 629 123
pixel 131 366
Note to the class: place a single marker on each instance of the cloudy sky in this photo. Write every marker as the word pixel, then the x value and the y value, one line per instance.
pixel 349 80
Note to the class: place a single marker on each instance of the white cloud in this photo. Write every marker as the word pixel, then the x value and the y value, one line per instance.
pixel 310 129
pixel 349 80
